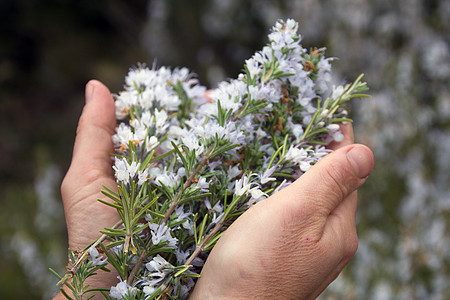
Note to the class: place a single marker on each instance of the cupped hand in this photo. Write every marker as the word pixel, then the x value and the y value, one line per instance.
pixel 293 244
pixel 91 167
pixel 289 246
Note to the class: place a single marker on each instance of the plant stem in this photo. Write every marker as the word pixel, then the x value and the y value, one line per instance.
pixel 199 248
pixel 188 182
pixel 169 212
pixel 69 273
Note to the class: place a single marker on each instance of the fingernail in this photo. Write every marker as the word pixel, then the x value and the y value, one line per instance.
pixel 89 92
pixel 361 160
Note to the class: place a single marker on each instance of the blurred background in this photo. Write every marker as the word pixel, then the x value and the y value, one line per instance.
pixel 49 49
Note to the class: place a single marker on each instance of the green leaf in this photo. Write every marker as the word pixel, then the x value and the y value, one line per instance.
pixel 184 269
pixel 201 230
pixel 143 210
pixel 210 244
pixel 193 198
pixel 110 204
pixel 232 205
pixel 181 156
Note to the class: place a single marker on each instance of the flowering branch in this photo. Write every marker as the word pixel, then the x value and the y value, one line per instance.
pixel 187 167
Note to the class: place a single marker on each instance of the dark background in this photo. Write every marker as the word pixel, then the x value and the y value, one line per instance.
pixel 50 49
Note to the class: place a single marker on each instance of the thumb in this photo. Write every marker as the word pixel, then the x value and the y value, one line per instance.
pixel 332 179
pixel 93 142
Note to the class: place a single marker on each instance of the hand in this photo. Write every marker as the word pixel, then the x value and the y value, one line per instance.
pixel 295 243
pixel 91 167
pixel 300 238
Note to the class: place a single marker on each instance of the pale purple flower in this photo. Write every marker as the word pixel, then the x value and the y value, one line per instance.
pixel 182 256
pixel 121 290
pixel 234 171
pixel 157 264
pixel 95 258
pixel 282 185
pixel 218 207
pixel 148 290
pixel 203 184
pixel 265 177
pixel 162 233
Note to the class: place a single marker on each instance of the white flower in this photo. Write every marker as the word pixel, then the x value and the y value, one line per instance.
pixel 244 186
pixel 146 118
pixel 260 133
pixel 194 90
pixel 305 166
pixel 193 143
pixel 282 185
pixel 177 132
pixel 182 256
pixel 133 168
pixel 334 133
pixel 300 157
pixel 138 77
pixel 123 135
pixel 146 98
pixel 290 26
pixel 142 177
pixel 297 129
pixel 161 121
pixel 257 195
pixel 166 179
pixel 320 151
pixel 151 142
pixel 182 215
pixel 170 102
pixel 124 170
pixel 337 92
pixel 157 272
pixel 121 168
pixel 324 74
pixel 123 102
pixel 253 67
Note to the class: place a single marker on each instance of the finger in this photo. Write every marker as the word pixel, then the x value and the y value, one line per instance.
pixel 341 226
pixel 320 190
pixel 340 235
pixel 347 131
pixel 93 142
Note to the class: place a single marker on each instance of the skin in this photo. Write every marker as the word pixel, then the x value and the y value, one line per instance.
pixel 289 246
